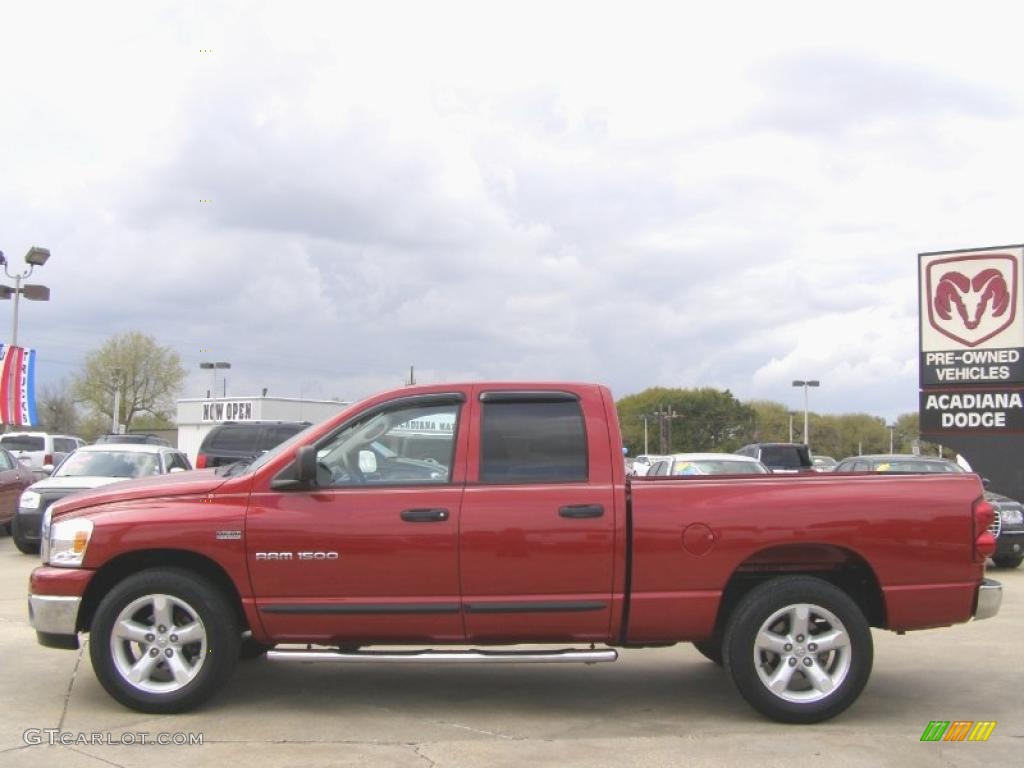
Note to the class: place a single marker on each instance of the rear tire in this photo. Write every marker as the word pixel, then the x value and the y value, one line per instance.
pixel 164 640
pixel 798 649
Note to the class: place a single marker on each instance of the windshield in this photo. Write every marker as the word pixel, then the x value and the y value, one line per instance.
pixel 277 450
pixel 718 467
pixel 916 465
pixel 109 464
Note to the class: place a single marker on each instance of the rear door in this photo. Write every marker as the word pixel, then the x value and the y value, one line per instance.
pixel 538 517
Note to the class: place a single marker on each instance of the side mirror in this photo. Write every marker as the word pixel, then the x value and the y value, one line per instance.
pixel 305 465
pixel 368 462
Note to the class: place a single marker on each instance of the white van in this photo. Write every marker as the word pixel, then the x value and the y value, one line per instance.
pixel 40 451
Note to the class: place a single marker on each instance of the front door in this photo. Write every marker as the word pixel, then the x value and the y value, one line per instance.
pixel 371 553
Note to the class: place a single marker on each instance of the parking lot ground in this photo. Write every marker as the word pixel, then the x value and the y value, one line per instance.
pixel 659 707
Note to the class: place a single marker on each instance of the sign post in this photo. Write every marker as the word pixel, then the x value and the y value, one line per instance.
pixel 972 358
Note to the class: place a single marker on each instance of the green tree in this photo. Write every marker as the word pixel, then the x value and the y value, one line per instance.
pixel 704 419
pixel 147 375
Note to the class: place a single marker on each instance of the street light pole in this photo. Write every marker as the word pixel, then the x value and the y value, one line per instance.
pixel 805 385
pixel 644 417
pixel 35 257
pixel 214 367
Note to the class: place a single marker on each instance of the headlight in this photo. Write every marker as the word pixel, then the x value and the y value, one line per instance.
pixel 68 540
pixel 30 500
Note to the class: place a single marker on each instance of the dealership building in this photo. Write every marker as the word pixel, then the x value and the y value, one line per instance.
pixel 197 416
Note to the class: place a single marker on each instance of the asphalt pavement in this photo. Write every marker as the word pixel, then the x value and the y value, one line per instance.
pixel 660 707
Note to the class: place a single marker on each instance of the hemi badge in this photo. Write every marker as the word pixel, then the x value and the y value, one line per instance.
pixel 229 535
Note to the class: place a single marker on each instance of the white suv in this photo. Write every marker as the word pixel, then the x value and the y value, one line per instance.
pixel 40 451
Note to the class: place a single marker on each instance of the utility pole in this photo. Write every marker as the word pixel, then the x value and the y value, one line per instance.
pixel 115 427
pixel 665 418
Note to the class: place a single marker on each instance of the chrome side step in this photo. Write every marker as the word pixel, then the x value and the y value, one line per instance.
pixel 474 656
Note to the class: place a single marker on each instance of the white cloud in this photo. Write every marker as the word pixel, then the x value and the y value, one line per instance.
pixel 638 194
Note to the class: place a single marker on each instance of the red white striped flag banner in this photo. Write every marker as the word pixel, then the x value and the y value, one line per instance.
pixel 17 386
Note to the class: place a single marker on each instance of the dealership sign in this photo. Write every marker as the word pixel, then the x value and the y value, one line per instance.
pixel 229 410
pixel 972 340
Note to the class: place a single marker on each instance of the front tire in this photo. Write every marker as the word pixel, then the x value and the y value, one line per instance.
pixel 798 649
pixel 1008 561
pixel 24 546
pixel 164 640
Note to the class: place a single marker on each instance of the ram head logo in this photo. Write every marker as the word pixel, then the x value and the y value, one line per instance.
pixel 974 298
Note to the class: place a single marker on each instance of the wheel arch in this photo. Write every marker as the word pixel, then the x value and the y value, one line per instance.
pixel 129 563
pixel 840 566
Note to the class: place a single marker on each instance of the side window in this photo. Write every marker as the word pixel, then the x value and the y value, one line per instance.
pixel 860 466
pixel 64 445
pixel 176 461
pixel 659 468
pixel 405 445
pixel 5 460
pixel 533 442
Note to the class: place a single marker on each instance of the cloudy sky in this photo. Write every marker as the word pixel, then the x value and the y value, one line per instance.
pixel 633 193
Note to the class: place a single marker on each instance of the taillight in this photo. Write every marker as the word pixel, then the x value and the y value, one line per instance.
pixel 201 461
pixel 47 459
pixel 984 541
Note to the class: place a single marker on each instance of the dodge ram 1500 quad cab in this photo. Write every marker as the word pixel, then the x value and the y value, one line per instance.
pixel 452 519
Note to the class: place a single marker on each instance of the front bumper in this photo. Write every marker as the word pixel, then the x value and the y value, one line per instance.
pixel 53 617
pixel 1010 543
pixel 990 597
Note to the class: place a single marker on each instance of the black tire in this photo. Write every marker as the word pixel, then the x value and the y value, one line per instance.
pixel 1008 561
pixel 711 649
pixel 202 611
pixel 24 546
pixel 251 649
pixel 777 607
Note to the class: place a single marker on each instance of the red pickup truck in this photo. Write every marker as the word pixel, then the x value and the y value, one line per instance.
pixel 451 519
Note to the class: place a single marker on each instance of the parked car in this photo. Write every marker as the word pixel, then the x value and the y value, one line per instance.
pixel 642 464
pixel 40 451
pixel 244 441
pixel 1008 525
pixel 683 464
pixel 133 438
pixel 91 466
pixel 780 457
pixel 527 533
pixel 823 463
pixel 15 477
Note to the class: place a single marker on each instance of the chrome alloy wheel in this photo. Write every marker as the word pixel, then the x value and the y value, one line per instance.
pixel 802 653
pixel 158 643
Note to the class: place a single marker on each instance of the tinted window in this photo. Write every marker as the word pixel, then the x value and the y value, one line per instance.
pixel 6 462
pixel 23 442
pixel 540 442
pixel 783 457
pixel 277 434
pixel 233 437
pixel 408 445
